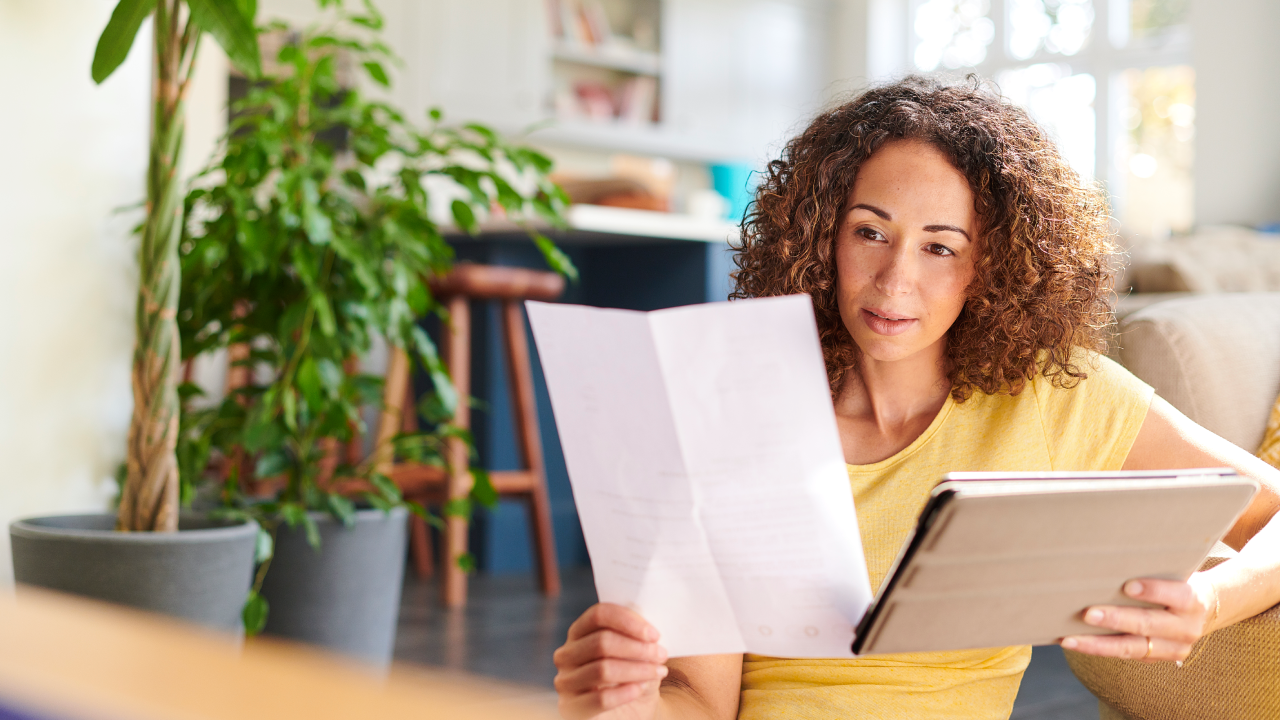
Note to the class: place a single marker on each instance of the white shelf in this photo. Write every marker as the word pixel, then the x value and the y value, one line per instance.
pixel 641 139
pixel 624 223
pixel 627 60
pixel 646 223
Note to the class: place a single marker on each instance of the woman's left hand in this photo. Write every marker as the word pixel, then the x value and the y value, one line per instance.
pixel 1151 634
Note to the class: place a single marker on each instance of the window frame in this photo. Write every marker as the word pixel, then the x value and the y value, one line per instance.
pixel 1108 54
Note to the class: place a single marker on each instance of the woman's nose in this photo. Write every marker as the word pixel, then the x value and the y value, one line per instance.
pixel 897 276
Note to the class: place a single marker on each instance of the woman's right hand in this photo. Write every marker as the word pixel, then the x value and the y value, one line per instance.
pixel 610 661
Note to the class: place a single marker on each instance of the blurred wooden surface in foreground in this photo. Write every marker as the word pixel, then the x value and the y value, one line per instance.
pixel 65 658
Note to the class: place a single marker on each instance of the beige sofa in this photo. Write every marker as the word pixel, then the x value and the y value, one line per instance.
pixel 1222 259
pixel 1215 357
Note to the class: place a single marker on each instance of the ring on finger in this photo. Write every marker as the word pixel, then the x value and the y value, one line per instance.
pixel 1150 645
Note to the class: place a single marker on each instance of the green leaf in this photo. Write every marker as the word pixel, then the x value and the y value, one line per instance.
pixel 445 390
pixel 313 531
pixel 261 432
pixel 482 490
pixel 309 382
pixel 354 179
pixel 377 502
pixel 254 614
pixel 248 9
pixel 484 132
pixel 271 464
pixel 319 226
pixel 385 487
pixel 457 507
pixel 224 19
pixel 117 38
pixel 342 509
pixel 427 516
pixel 555 256
pixel 289 402
pixel 464 216
pixel 293 514
pixel 188 390
pixel 265 546
pixel 324 313
pixel 378 73
pixel 466 562
pixel 331 375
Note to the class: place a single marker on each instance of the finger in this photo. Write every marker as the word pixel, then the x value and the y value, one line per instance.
pixel 613 617
pixel 606 673
pixel 1129 647
pixel 607 644
pixel 590 704
pixel 1149 622
pixel 1175 595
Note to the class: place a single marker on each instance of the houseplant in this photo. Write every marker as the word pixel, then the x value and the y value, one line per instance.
pixel 313 234
pixel 201 573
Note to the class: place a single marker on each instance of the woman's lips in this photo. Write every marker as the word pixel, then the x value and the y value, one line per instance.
pixel 882 325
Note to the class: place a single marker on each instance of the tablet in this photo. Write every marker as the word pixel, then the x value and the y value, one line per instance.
pixel 1002 559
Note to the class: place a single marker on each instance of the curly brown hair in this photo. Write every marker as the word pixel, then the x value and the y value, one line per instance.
pixel 1042 275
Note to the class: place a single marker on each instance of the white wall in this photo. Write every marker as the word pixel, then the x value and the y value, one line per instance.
pixel 1237 62
pixel 868 44
pixel 72 155
pixel 73 152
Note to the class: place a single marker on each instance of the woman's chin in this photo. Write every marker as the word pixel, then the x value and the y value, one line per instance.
pixel 892 349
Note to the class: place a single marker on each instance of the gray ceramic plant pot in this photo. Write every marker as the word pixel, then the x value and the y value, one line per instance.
pixel 345 596
pixel 200 574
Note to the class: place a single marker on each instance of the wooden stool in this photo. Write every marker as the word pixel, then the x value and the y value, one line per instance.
pixel 431 484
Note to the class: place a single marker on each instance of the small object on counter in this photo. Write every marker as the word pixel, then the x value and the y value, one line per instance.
pixel 613 192
pixel 735 183
pixel 707 204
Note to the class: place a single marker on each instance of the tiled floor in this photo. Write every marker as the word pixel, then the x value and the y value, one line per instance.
pixel 508 631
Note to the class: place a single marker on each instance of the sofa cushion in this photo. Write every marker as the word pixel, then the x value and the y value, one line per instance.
pixel 1270 449
pixel 1231 674
pixel 1214 357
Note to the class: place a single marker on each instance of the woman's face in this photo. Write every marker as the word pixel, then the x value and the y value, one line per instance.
pixel 905 253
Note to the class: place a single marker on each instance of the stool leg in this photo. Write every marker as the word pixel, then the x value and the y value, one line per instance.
pixel 458 360
pixel 420 547
pixel 524 407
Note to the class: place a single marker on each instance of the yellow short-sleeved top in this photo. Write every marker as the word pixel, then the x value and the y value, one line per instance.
pixel 1088 427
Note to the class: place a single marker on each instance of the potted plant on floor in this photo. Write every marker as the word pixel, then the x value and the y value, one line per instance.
pixel 191 567
pixel 313 235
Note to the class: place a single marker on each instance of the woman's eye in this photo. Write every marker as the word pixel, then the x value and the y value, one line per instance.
pixel 870 233
pixel 941 250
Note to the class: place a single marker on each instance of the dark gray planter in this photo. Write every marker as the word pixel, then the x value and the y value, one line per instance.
pixel 346 595
pixel 201 573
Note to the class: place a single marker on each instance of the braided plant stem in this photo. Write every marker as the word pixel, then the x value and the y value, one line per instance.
pixel 149 500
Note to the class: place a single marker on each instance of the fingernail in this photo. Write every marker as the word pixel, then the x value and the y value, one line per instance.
pixel 651 634
pixel 662 671
pixel 1093 617
pixel 1070 643
pixel 1133 588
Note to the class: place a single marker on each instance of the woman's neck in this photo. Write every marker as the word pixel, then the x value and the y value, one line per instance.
pixel 883 406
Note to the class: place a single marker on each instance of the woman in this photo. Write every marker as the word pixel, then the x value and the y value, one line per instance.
pixel 958 270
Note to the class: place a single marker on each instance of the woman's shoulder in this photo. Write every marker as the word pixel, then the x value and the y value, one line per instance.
pixel 1086 373
pixel 1091 409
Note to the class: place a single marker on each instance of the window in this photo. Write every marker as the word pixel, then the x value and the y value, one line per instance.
pixel 1109 79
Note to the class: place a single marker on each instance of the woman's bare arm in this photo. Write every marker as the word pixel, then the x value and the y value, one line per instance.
pixel 1234 590
pixel 705 686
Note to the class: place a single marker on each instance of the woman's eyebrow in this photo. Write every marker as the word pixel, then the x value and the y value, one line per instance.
pixel 927 228
pixel 947 228
pixel 873 209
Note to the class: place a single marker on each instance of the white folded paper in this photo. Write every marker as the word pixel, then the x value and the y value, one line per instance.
pixel 707 470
